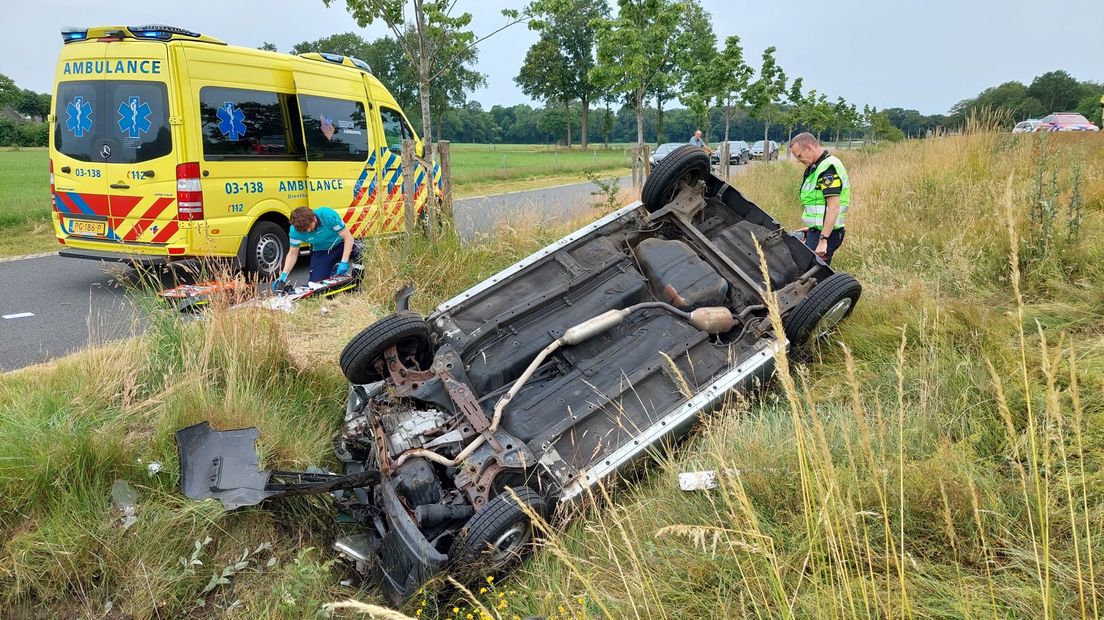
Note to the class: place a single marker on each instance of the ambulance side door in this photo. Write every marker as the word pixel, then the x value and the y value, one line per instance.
pixel 395 129
pixel 341 167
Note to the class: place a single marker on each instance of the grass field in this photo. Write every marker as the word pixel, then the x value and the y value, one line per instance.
pixel 477 170
pixel 25 202
pixel 942 458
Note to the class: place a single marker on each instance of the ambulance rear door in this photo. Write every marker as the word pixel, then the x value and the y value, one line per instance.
pixel 139 145
pixel 80 111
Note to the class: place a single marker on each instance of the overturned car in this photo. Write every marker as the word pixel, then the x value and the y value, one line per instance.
pixel 527 389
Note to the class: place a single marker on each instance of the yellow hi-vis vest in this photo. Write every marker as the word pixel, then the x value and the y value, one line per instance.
pixel 812 199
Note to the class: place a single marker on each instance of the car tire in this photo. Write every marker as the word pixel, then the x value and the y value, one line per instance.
pixel 687 163
pixel 500 535
pixel 827 304
pixel 266 249
pixel 406 330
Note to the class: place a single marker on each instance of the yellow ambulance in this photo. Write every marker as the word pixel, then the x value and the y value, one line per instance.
pixel 170 144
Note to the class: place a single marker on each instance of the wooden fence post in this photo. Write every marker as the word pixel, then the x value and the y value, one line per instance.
pixel 446 182
pixel 725 154
pixel 408 173
pixel 646 162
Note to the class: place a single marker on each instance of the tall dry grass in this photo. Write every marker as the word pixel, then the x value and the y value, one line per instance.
pixel 941 457
pixel 938 459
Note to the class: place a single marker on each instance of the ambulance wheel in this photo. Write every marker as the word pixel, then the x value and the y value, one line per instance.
pixel 266 249
pixel 685 165
pixel 362 359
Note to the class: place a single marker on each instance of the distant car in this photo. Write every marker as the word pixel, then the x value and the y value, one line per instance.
pixel 663 150
pixel 738 152
pixel 1028 126
pixel 1066 121
pixel 757 150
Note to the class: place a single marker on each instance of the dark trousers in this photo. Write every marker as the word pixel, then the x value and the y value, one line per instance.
pixel 323 262
pixel 812 238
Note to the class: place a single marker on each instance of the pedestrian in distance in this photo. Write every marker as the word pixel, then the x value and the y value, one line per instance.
pixel 825 195
pixel 332 245
pixel 698 141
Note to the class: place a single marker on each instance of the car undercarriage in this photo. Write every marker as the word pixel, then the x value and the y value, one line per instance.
pixel 521 393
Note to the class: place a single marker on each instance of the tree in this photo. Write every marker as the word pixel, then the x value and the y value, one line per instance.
pixel 730 76
pixel 632 49
pixel 608 118
pixel 841 117
pixel 1057 91
pixel 431 40
pixel 10 94
pixel 268 47
pixel 819 112
pixel 384 55
pixel 36 105
pixel 693 45
pixel 764 94
pixel 794 114
pixel 697 60
pixel 545 74
pixel 570 25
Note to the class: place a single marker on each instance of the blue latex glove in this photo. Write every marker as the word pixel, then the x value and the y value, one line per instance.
pixel 342 268
pixel 280 284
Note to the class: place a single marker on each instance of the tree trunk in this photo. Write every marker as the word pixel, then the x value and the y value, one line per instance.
pixel 567 117
pixel 423 79
pixel 728 121
pixel 766 141
pixel 639 101
pixel 659 121
pixel 607 123
pixel 584 129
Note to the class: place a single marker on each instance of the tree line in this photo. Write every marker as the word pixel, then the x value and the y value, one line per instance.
pixel 641 71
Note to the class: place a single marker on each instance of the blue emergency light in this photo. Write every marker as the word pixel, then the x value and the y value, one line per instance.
pixel 159 32
pixel 71 34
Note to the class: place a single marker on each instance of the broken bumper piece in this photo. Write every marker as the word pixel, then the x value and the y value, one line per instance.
pixel 224 465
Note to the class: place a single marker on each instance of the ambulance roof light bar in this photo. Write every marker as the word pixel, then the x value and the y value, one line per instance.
pixel 149 32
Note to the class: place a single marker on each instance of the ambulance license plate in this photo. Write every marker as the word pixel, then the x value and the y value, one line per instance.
pixel 84 227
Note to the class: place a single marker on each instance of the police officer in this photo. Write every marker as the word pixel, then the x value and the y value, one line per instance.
pixel 332 245
pixel 825 195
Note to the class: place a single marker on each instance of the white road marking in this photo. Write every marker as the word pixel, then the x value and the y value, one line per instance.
pixel 8 259
pixel 19 315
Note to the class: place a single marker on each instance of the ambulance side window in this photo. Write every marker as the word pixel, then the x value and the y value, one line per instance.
pixel 395 129
pixel 335 129
pixel 240 124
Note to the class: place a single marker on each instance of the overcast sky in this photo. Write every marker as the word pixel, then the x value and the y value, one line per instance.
pixel 925 55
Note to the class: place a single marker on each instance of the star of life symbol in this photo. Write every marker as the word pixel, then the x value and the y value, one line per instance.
pixel 231 121
pixel 78 117
pixel 134 117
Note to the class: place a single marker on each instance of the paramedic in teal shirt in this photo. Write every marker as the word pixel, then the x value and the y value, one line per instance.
pixel 331 244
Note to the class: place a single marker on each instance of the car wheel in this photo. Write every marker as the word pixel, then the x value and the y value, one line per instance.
pixel 684 165
pixel 266 249
pixel 827 304
pixel 361 360
pixel 499 536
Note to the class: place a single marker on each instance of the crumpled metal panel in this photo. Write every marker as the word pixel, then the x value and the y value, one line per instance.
pixel 222 465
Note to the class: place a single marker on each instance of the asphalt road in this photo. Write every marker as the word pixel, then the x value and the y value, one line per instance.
pixel 52 306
